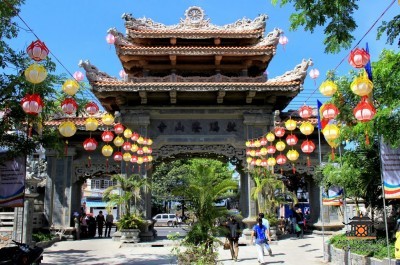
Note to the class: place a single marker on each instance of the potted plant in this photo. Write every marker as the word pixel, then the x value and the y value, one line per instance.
pixel 129 226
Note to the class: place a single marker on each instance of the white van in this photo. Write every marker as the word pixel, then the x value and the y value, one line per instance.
pixel 164 219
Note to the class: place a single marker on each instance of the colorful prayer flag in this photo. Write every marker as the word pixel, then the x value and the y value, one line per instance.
pixel 333 196
pixel 390 159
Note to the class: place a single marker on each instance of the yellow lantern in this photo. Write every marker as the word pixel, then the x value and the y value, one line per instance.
pixel 145 149
pixel 270 137
pixel 149 141
pixel 306 128
pixel 118 141
pixel 150 158
pixel 248 143
pixel 134 147
pixel 140 140
pixel 249 159
pixel 91 124
pixel 361 85
pixel 127 157
pixel 107 119
pixel 290 124
pixel 292 155
pixel 107 150
pixel 280 145
pixel 258 162
pixel 331 132
pixel 263 151
pixel 128 133
pixel 67 128
pixel 253 152
pixel 70 87
pixel 35 73
pixel 139 160
pixel 332 143
pixel 271 161
pixel 257 143
pixel 328 88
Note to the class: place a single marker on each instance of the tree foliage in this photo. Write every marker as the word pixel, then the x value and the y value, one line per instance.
pixel 337 18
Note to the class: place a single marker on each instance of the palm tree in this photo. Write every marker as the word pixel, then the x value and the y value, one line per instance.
pixel 131 191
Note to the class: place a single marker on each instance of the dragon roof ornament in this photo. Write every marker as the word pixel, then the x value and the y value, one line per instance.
pixel 94 74
pixel 195 19
pixel 298 73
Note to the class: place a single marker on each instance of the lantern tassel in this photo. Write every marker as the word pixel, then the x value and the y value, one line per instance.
pixel 107 165
pixel 66 148
pixel 281 171
pixel 308 161
pixel 294 169
pixel 366 138
pixel 332 154
pixel 89 161
pixel 133 169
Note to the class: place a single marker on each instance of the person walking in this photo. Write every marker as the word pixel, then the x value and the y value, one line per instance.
pixel 100 223
pixel 233 236
pixel 259 236
pixel 299 226
pixel 266 223
pixel 109 223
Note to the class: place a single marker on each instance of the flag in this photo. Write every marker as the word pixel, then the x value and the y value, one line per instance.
pixel 390 171
pixel 333 196
pixel 367 67
pixel 322 122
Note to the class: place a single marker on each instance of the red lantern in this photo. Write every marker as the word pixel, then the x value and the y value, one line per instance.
pixel 37 50
pixel 127 146
pixel 271 149
pixel 107 136
pixel 145 159
pixel 134 136
pixel 117 156
pixel 359 58
pixel 90 144
pixel 329 111
pixel 91 108
pixel 149 150
pixel 140 151
pixel 263 141
pixel 307 146
pixel 264 162
pixel 279 131
pixel 32 104
pixel 305 112
pixel 292 139
pixel 119 128
pixel 134 159
pixel 364 111
pixel 69 106
pixel 281 159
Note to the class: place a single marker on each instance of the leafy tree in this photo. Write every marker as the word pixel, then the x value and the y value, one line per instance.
pixel 15 125
pixel 207 181
pixel 337 17
pixel 131 188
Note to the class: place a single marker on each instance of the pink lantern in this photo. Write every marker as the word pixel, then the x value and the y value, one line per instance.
pixel 119 128
pixel 110 38
pixel 307 146
pixel 271 149
pixel 329 111
pixel 107 136
pixel 134 136
pixel 283 40
pixel 291 139
pixel 359 58
pixel 279 131
pixel 90 144
pixel 37 50
pixel 314 73
pixel 122 74
pixel 78 76
pixel 281 159
pixel 91 108
pixel 117 156
pixel 69 106
pixel 305 112
pixel 32 104
pixel 127 146
pixel 364 111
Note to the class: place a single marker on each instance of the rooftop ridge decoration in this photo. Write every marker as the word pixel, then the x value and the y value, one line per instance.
pixel 299 73
pixel 195 19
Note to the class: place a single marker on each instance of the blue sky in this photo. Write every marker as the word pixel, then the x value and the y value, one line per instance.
pixel 75 30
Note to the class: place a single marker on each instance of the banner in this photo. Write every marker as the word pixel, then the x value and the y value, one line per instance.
pixel 12 183
pixel 390 159
pixel 333 197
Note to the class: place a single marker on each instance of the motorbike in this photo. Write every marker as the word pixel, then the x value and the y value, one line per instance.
pixel 21 254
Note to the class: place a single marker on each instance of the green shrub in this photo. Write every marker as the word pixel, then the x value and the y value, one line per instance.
pixel 130 221
pixel 39 237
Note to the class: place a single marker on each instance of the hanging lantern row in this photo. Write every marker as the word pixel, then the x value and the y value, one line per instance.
pixel 305 112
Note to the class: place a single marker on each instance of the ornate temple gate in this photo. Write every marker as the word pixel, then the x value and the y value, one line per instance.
pixel 195 88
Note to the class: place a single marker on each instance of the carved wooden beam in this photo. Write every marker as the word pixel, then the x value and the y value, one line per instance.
pixel 220 98
pixel 249 97
pixel 172 95
pixel 172 59
pixel 172 41
pixel 143 96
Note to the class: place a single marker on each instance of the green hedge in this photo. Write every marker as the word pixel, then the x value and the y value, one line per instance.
pixel 371 248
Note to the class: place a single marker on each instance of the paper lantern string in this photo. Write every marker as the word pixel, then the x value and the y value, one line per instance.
pixel 66 148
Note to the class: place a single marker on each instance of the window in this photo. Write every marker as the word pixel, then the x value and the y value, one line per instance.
pixel 102 183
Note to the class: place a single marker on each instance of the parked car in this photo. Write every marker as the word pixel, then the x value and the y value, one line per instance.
pixel 164 219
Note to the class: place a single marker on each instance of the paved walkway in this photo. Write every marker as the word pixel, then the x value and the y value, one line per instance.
pixel 292 251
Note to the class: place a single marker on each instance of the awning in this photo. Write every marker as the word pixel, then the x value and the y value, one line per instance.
pixel 92 204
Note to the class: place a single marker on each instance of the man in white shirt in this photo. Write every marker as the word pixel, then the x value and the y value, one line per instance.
pixel 109 223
